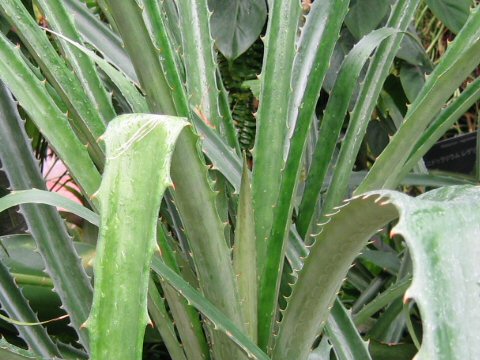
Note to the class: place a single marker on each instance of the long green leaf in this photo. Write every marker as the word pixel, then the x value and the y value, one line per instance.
pixel 220 321
pixel 315 290
pixel 186 317
pixel 163 322
pixel 461 58
pixel 329 131
pixel 46 226
pixel 227 116
pixel 378 71
pixel 170 12
pixel 139 148
pixel 163 44
pixel 98 34
pixel 16 306
pixel 86 119
pixel 311 63
pixel 340 324
pixel 33 97
pixel 170 16
pixel 271 126
pixel 59 19
pixel 347 342
pixel 145 56
pixel 200 66
pixel 245 255
pixel 202 224
pixel 205 233
pixel 35 196
pixel 332 122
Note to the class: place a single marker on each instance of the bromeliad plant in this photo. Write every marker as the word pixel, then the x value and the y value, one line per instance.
pixel 233 263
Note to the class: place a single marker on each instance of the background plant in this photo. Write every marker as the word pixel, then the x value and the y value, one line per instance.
pixel 330 99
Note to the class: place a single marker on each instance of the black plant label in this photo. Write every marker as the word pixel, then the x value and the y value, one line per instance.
pixel 456 154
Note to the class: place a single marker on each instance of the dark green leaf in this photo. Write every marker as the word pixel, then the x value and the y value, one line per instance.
pixel 413 79
pixel 384 259
pixel 377 137
pixel 365 15
pixel 236 24
pixel 453 13
pixel 412 50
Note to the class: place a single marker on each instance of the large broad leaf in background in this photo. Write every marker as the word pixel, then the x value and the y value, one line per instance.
pixel 453 13
pixel 413 79
pixel 365 15
pixel 236 24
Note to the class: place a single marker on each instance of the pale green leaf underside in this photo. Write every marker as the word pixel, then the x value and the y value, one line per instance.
pixel 445 262
pixel 442 232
